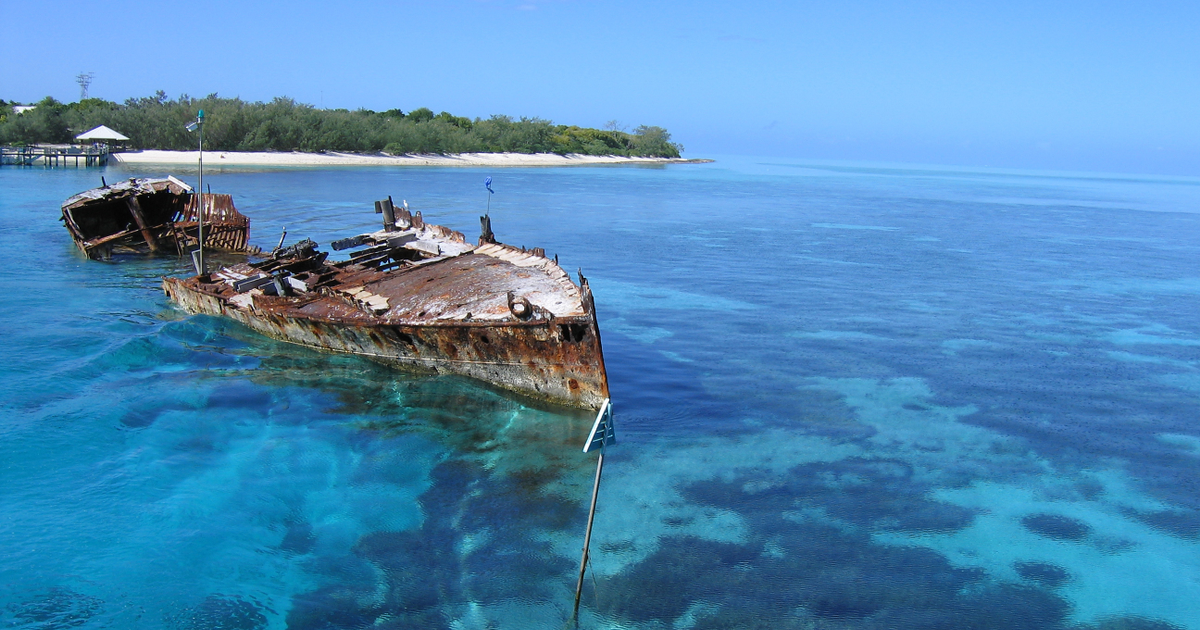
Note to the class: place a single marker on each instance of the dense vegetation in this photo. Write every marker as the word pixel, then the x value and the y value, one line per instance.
pixel 285 125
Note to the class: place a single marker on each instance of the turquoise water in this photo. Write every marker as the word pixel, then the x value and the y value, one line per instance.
pixel 848 396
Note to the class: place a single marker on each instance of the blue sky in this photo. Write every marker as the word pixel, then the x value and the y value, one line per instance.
pixel 1096 85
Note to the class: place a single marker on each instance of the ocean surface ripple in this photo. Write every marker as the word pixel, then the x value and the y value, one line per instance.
pixel 847 396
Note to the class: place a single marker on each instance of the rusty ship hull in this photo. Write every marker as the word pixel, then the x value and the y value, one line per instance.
pixel 153 215
pixel 419 297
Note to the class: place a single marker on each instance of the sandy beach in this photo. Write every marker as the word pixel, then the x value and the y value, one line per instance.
pixel 232 158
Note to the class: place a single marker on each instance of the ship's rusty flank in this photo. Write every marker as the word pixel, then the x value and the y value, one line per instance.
pixel 418 296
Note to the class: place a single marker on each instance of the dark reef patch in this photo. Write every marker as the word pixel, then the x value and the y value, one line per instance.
pixel 1133 623
pixel 1184 523
pixel 219 612
pixel 140 417
pixel 1112 544
pixel 54 608
pixel 826 579
pixel 330 607
pixel 796 572
pixel 240 394
pixel 299 538
pixel 1056 527
pixel 1048 575
pixel 230 393
pixel 869 493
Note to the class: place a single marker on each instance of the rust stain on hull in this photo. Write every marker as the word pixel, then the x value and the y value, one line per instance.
pixel 153 215
pixel 417 296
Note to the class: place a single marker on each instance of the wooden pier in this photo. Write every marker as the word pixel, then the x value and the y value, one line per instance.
pixel 57 155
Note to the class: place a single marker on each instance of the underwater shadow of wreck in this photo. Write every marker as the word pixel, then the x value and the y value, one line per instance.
pixel 477 544
pixel 511 472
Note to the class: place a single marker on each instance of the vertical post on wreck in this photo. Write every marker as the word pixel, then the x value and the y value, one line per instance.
pixel 198 124
pixel 389 213
pixel 135 209
pixel 602 434
pixel 200 217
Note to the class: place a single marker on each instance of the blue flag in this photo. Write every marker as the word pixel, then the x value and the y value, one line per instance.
pixel 487 183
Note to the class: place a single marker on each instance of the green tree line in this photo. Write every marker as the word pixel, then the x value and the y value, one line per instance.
pixel 282 124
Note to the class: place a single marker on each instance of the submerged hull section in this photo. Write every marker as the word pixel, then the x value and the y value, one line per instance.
pixel 421 298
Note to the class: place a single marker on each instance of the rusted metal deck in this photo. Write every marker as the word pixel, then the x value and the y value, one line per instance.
pixel 418 296
pixel 143 215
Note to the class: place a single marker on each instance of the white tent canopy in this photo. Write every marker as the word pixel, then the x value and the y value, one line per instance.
pixel 101 133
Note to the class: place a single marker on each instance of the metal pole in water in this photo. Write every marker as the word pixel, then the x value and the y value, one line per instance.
pixel 603 433
pixel 587 538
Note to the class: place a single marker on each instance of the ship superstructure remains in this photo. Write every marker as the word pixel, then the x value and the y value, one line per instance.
pixel 153 215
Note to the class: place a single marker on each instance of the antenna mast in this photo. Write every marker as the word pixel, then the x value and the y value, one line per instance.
pixel 84 79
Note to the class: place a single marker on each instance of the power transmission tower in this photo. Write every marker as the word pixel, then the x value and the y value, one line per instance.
pixel 84 80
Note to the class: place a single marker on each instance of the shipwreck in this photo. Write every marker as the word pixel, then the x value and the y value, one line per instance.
pixel 420 297
pixel 153 215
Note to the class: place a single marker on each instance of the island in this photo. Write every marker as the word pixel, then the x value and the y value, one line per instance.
pixel 283 131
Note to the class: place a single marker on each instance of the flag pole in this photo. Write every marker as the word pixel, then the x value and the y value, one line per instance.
pixel 198 255
pixel 487 183
pixel 200 217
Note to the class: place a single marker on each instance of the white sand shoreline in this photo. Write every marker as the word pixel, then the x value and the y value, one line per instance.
pixel 234 158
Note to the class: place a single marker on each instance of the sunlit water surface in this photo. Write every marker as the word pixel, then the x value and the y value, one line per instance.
pixel 848 396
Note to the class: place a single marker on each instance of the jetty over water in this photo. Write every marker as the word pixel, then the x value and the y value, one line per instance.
pixel 55 155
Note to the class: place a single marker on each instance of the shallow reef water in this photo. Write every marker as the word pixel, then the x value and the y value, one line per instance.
pixel 847 396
